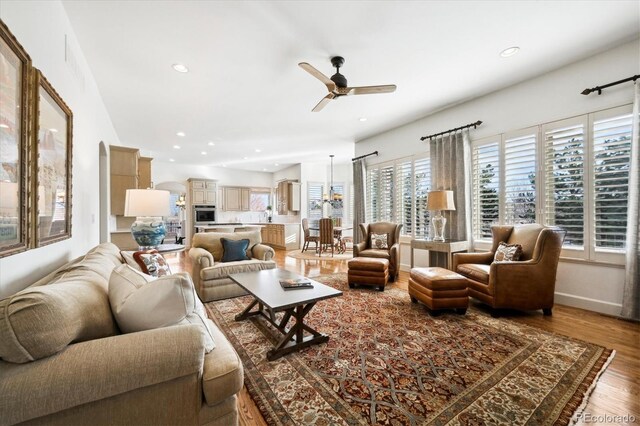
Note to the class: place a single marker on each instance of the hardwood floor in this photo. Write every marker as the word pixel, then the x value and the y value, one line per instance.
pixel 616 394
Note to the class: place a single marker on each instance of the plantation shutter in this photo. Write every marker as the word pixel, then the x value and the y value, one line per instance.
pixel 520 179
pixel 422 186
pixel 387 194
pixel 314 197
pixel 564 155
pixel 404 196
pixel 373 195
pixel 486 188
pixel 338 208
pixel 611 155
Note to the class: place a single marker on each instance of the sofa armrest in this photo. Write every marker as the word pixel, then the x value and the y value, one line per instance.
pixel 97 369
pixel 357 248
pixel 201 257
pixel 476 258
pixel 262 252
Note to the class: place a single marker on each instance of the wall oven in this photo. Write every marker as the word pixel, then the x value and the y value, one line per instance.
pixel 204 215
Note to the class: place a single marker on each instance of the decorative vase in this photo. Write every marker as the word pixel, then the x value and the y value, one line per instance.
pixel 149 232
pixel 438 222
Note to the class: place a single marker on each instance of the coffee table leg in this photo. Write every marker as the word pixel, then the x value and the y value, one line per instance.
pixel 247 311
pixel 290 344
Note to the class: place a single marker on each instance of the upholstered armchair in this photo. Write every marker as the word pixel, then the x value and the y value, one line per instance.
pixel 527 284
pixel 392 253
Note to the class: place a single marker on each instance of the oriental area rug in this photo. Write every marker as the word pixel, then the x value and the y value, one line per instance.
pixel 388 362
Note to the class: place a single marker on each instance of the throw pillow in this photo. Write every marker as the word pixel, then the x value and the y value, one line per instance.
pixel 151 262
pixel 508 252
pixel 234 250
pixel 379 241
pixel 141 302
pixel 127 256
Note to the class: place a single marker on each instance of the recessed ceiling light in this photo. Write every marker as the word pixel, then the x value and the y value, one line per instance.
pixel 245 158
pixel 181 134
pixel 172 160
pixel 176 147
pixel 264 170
pixel 224 165
pixel 211 144
pixel 258 150
pixel 4 126
pixel 276 164
pixel 204 153
pixel 180 68
pixel 509 51
pixel 53 130
pixel 363 118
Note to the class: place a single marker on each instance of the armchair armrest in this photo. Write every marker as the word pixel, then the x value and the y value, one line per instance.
pixel 201 257
pixel 96 369
pixel 262 252
pixel 476 258
pixel 525 282
pixel 357 248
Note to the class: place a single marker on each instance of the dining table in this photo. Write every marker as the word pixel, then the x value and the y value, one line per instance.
pixel 337 234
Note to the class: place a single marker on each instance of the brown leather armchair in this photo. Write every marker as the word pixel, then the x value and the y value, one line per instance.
pixel 527 284
pixel 392 254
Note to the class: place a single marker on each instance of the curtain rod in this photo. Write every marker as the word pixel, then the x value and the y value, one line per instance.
pixel 364 156
pixel 474 125
pixel 599 88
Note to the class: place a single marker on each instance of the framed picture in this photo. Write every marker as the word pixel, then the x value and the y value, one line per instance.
pixel 15 70
pixel 52 155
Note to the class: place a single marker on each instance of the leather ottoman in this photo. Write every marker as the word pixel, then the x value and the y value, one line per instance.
pixel 438 289
pixel 368 271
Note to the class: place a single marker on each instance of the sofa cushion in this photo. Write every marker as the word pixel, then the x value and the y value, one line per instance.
pixel 222 374
pixel 474 271
pixel 234 250
pixel 379 253
pixel 210 241
pixel 141 302
pixel 223 270
pixel 69 305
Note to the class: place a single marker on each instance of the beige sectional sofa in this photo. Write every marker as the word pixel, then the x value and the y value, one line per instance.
pixel 63 360
pixel 211 276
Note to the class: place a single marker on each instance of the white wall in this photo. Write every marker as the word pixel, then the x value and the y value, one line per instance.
pixel 553 96
pixel 41 26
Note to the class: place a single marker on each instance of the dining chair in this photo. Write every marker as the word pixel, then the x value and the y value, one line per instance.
pixel 326 235
pixel 308 238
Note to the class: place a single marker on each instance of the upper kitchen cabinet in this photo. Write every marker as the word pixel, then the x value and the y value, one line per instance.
pixel 236 199
pixel 123 166
pixel 144 172
pixel 203 191
pixel 288 197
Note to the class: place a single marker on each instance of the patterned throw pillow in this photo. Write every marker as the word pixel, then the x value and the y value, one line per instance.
pixel 507 252
pixel 380 241
pixel 152 263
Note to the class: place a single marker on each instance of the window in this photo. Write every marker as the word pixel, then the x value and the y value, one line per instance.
pixel 259 200
pixel 422 186
pixel 571 173
pixel 610 168
pixel 397 192
pixel 314 203
pixel 337 207
pixel 486 178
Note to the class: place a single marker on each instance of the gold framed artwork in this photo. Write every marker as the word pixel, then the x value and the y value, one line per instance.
pixel 15 70
pixel 52 157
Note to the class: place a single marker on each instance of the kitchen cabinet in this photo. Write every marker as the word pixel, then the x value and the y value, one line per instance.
pixel 284 236
pixel 294 196
pixel 144 172
pixel 124 175
pixel 203 191
pixel 236 199
pixel 245 199
pixel 288 197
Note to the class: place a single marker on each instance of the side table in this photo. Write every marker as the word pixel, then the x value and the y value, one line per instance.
pixel 449 247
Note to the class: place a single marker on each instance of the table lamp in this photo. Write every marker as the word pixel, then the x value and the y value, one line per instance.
pixel 438 201
pixel 148 206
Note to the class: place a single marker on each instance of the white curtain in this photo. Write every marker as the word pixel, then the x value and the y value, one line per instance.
pixel 359 171
pixel 631 295
pixel 450 170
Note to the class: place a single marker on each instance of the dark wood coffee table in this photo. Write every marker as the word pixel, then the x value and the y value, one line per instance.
pixel 265 288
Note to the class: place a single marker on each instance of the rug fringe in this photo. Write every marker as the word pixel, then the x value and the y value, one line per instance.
pixel 585 399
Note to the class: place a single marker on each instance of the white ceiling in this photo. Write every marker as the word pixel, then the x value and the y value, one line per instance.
pixel 245 91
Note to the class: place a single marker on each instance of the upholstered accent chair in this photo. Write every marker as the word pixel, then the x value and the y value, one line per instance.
pixel 308 238
pixel 527 284
pixel 392 253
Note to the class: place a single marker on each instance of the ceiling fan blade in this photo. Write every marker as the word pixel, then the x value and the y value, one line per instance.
pixel 323 102
pixel 370 90
pixel 317 74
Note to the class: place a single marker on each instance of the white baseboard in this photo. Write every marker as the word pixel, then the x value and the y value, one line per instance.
pixel 594 305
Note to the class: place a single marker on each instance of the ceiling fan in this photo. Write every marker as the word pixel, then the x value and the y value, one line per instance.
pixel 337 84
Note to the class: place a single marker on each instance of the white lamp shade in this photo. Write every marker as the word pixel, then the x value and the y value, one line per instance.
pixel 440 200
pixel 9 198
pixel 146 202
